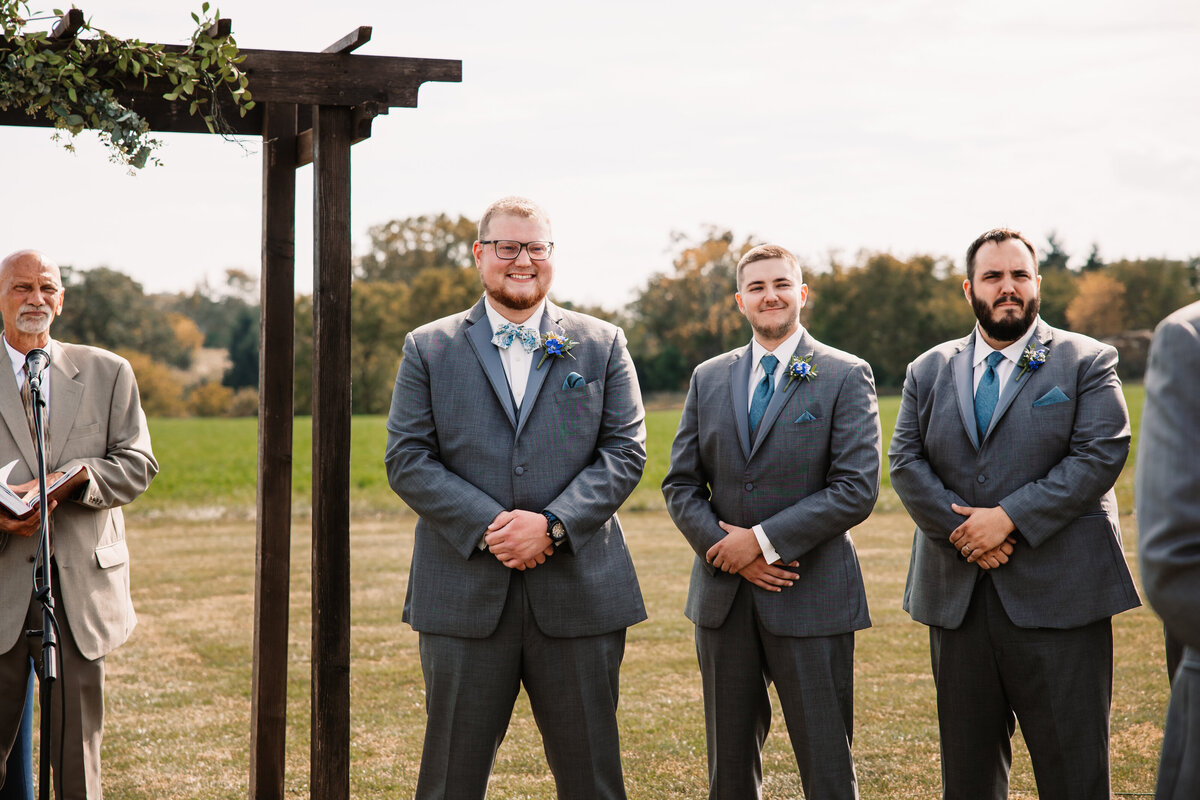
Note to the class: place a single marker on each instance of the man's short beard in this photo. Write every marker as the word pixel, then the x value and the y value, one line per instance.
pixel 1008 329
pixel 776 332
pixel 523 303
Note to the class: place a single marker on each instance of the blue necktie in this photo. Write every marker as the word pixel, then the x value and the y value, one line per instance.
pixel 763 391
pixel 987 395
pixel 503 338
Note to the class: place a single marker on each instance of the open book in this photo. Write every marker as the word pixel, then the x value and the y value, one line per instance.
pixel 21 507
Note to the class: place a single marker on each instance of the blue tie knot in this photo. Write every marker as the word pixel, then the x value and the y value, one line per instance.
pixel 769 363
pixel 994 359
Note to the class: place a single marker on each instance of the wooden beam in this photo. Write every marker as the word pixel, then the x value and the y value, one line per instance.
pixel 288 77
pixel 351 41
pixel 330 746
pixel 220 29
pixel 361 130
pixel 268 701
pixel 68 26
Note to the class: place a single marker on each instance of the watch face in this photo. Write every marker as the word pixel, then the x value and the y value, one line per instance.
pixel 557 531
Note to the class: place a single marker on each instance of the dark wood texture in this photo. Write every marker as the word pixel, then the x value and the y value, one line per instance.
pixel 281 76
pixel 330 749
pixel 67 26
pixel 351 41
pixel 268 700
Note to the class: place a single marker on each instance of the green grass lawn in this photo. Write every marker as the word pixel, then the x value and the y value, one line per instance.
pixel 178 719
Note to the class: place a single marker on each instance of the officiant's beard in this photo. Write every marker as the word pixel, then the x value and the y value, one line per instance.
pixel 1009 326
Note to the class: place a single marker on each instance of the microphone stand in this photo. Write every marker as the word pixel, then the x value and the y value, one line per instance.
pixel 43 588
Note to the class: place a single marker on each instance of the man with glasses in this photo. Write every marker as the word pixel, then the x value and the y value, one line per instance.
pixel 516 431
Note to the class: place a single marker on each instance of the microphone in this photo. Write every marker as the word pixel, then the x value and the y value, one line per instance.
pixel 36 362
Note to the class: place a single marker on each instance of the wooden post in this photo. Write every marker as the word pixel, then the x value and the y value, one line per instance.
pixel 330 750
pixel 268 703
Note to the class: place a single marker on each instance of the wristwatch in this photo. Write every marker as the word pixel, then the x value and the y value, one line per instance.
pixel 555 528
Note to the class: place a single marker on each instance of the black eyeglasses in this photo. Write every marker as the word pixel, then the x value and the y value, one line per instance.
pixel 508 249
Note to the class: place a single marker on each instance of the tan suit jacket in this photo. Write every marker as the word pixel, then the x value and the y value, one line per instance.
pixel 95 419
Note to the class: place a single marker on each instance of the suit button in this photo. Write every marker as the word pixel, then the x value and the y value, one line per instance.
pixel 519 471
pixel 749 487
pixel 982 479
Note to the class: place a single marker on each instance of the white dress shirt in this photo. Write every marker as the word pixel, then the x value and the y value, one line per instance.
pixel 783 353
pixel 1012 354
pixel 516 361
pixel 18 368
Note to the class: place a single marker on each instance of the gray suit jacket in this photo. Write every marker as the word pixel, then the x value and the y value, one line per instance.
pixel 1168 476
pixel 1168 505
pixel 95 419
pixel 458 455
pixel 1055 446
pixel 811 474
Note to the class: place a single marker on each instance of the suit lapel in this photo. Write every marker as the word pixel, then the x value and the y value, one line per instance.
pixel 783 390
pixel 13 412
pixel 739 383
pixel 551 319
pixel 1016 382
pixel 964 384
pixel 65 395
pixel 479 334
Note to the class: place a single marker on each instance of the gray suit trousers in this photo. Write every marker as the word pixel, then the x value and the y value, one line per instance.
pixel 1058 683
pixel 814 676
pixel 472 684
pixel 1179 770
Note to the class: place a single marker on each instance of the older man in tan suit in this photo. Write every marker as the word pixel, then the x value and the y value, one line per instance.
pixel 94 419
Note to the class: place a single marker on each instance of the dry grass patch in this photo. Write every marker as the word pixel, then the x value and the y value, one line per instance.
pixel 179 692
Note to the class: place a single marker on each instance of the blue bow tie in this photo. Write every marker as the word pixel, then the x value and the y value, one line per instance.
pixel 504 337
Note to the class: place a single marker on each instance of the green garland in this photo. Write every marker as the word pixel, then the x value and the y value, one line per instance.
pixel 73 84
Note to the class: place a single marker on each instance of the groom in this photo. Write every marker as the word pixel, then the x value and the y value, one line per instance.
pixel 515 433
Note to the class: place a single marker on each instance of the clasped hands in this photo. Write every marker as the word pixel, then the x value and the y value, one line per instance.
pixel 739 552
pixel 983 538
pixel 519 539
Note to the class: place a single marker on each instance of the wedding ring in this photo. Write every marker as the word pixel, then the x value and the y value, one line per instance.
pixel 966 551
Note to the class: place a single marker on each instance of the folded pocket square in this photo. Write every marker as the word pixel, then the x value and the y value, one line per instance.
pixel 1055 395
pixel 805 417
pixel 573 380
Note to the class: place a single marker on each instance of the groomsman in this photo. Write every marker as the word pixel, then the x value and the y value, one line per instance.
pixel 1006 450
pixel 516 432
pixel 777 456
pixel 1168 504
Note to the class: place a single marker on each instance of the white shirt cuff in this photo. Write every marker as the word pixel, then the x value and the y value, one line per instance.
pixel 765 544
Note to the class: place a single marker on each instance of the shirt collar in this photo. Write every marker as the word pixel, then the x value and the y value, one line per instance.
pixel 783 352
pixel 18 359
pixel 496 320
pixel 1011 353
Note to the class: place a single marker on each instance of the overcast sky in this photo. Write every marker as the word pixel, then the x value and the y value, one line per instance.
pixel 901 125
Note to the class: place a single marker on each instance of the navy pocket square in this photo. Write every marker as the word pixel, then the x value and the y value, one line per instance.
pixel 1055 395
pixel 805 417
pixel 573 380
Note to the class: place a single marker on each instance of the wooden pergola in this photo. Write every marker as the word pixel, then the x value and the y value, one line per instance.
pixel 310 109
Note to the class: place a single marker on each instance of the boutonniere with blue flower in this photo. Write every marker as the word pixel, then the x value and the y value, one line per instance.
pixel 1032 360
pixel 800 369
pixel 557 345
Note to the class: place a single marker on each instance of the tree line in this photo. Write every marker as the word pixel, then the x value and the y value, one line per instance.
pixel 882 307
